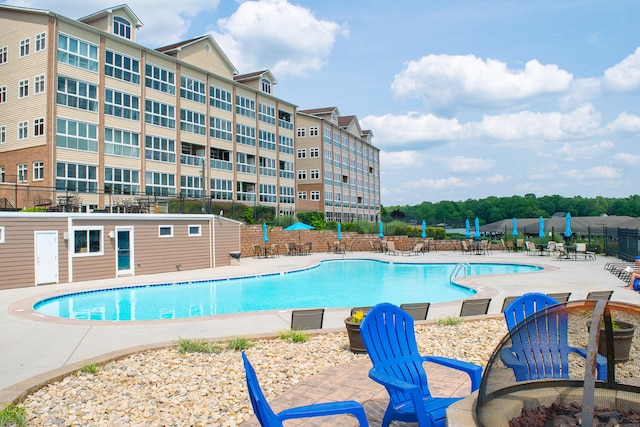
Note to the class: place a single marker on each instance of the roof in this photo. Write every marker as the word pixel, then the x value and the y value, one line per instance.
pixel 321 111
pixel 256 74
pixel 110 10
pixel 207 37
pixel 582 225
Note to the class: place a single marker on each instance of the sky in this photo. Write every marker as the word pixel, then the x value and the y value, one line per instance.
pixel 466 99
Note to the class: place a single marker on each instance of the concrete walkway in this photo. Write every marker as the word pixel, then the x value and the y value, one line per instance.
pixel 35 347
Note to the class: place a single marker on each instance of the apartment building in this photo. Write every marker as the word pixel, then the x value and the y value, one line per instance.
pixel 337 167
pixel 86 112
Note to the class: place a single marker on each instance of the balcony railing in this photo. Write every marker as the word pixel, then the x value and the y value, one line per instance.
pixel 221 164
pixel 188 159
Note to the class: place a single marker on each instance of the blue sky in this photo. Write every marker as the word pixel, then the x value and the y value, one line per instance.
pixel 466 99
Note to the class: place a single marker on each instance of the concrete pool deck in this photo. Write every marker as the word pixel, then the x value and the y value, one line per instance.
pixel 36 348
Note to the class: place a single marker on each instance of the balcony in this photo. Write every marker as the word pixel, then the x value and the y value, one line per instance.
pixel 188 159
pixel 221 165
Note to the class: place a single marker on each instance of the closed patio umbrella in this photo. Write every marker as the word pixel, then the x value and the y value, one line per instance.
pixel 476 234
pixel 541 232
pixel 424 229
pixel 339 231
pixel 467 233
pixel 567 229
pixel 381 234
pixel 264 231
pixel 514 233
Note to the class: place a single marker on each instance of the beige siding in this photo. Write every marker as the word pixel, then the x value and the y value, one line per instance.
pixel 210 60
pixel 226 240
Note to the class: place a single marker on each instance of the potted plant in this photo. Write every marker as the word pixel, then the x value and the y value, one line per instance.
pixel 353 331
pixel 622 338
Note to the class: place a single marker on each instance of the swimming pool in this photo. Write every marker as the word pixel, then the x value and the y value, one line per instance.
pixel 331 284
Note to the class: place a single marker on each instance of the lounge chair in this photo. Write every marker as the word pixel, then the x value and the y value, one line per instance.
pixel 539 340
pixel 507 301
pixel 600 295
pixel 417 310
pixel 305 319
pixel 561 297
pixel 417 250
pixel 581 251
pixel 475 307
pixel 391 248
pixel 389 337
pixel 267 417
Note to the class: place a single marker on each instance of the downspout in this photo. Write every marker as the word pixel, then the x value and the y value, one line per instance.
pixel 70 248
pixel 212 254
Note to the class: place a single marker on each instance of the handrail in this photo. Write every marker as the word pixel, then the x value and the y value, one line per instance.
pixel 460 267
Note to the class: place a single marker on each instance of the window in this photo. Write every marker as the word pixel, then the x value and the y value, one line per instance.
pixel 268 193
pixel 314 152
pixel 245 163
pixel 24 47
pixel 245 134
pixel 220 98
pixel 314 174
pixel 302 153
pixel 121 27
pixel 121 104
pixel 23 130
pixel 122 67
pixel 3 54
pixel 3 135
pixel 313 131
pixel 245 106
pixel 302 195
pixel 315 195
pixel 76 135
pixel 160 184
pixel 267 166
pixel 77 53
pixel 23 88
pixel 160 79
pixel 121 143
pixel 286 170
pixel 160 114
pixel 285 144
pixel 192 121
pixel 1 173
pixel 22 172
pixel 121 181
pixel 38 170
pixel 267 140
pixel 77 94
pixel 3 94
pixel 38 126
pixel 266 85
pixel 266 113
pixel 302 174
pixel 195 230
pixel 88 241
pixel 220 129
pixel 192 89
pixel 76 177
pixel 38 84
pixel 221 189
pixel 1 234
pixel 165 231
pixel 301 132
pixel 160 149
pixel 41 42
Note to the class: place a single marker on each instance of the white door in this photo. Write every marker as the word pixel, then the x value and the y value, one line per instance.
pixel 46 255
pixel 124 250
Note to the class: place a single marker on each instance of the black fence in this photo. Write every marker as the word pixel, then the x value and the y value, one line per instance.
pixel 622 243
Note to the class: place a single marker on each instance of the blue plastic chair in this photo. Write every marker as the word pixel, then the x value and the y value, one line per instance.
pixel 539 340
pixel 389 337
pixel 268 418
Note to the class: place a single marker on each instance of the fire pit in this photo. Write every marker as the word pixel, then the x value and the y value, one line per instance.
pixel 548 367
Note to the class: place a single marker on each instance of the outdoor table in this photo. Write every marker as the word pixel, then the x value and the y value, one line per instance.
pixel 541 248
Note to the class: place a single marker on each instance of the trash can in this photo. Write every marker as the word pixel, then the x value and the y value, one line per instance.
pixel 235 258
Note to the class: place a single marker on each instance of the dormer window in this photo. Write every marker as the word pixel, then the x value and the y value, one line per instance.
pixel 334 117
pixel 266 86
pixel 122 27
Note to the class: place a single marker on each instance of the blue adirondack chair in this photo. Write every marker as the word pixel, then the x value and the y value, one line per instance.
pixel 389 337
pixel 267 417
pixel 539 346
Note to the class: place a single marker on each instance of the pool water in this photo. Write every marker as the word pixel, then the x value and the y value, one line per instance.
pixel 331 284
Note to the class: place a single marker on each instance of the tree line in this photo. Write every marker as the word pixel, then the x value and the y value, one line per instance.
pixel 492 209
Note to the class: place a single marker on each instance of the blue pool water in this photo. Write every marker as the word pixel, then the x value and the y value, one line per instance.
pixel 331 284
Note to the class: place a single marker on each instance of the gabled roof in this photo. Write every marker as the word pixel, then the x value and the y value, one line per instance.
pixel 110 10
pixel 321 111
pixel 255 75
pixel 345 121
pixel 367 133
pixel 176 47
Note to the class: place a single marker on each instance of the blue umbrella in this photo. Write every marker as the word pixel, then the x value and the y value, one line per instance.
pixel 476 234
pixel 567 230
pixel 339 231
pixel 381 234
pixel 515 227
pixel 541 232
pixel 466 228
pixel 264 231
pixel 424 229
pixel 299 226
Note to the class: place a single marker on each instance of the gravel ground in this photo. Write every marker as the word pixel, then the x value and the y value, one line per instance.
pixel 165 387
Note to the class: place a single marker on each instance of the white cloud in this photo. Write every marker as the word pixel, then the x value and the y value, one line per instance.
pixel 399 130
pixel 165 21
pixel 625 123
pixel 450 182
pixel 581 91
pixel 624 76
pixel 469 165
pixel 399 160
pixel 582 151
pixel 627 158
pixel 448 81
pixel 277 35
pixel 594 173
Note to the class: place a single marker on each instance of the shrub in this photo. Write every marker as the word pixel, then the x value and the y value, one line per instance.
pixel 450 321
pixel 12 415
pixel 294 336
pixel 239 344
pixel 198 346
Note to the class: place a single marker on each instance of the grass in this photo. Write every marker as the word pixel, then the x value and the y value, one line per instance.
pixel 293 336
pixel 450 321
pixel 198 346
pixel 239 344
pixel 11 415
pixel 90 369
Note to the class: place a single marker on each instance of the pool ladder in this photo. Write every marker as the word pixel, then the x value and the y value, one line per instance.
pixel 464 268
